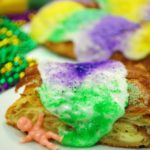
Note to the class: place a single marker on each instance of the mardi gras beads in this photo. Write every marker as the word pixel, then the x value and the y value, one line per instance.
pixel 13 41
pixel 11 37
pixel 12 71
pixel 14 44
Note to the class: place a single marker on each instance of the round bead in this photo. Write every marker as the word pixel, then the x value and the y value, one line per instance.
pixel 9 33
pixel 5 86
pixel 31 64
pixel 5 41
pixel 20 62
pixel 3 70
pixel 10 80
pixel 2 44
pixel 21 75
pixel 3 30
pixel 17 59
pixel 2 81
pixel 16 76
pixel 15 41
pixel 23 66
pixel 8 74
pixel 18 69
pixel 16 64
pixel 13 37
pixel 8 66
pixel 11 58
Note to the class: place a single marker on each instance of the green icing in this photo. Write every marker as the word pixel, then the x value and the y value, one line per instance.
pixel 103 3
pixel 79 20
pixel 89 132
pixel 90 111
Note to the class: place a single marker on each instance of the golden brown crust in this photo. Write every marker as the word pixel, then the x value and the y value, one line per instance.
pixel 127 135
pixel 119 56
pixel 132 130
pixel 91 5
pixel 65 48
pixel 32 76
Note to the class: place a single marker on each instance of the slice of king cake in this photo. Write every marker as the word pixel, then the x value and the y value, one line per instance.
pixel 87 103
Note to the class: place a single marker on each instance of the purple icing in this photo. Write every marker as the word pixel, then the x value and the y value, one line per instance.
pixel 107 31
pixel 73 74
pixel 103 38
pixel 82 69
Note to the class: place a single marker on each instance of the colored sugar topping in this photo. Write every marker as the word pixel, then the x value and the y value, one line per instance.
pixel 137 45
pixel 103 39
pixel 89 97
pixel 48 18
pixel 103 34
pixel 75 23
pixel 134 10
